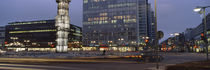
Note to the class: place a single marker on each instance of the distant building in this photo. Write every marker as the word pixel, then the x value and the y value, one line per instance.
pixel 116 24
pixel 151 27
pixel 208 21
pixel 151 23
pixel 38 35
pixel 188 34
pixel 193 36
pixel 2 37
pixel 176 43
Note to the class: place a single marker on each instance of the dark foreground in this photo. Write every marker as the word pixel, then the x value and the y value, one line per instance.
pixel 72 64
pixel 199 65
pixel 94 64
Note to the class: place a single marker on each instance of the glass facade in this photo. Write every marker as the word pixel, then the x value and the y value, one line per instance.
pixel 114 23
pixel 38 34
pixel 2 36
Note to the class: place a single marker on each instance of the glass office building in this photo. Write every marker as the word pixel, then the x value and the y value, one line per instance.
pixel 2 36
pixel 38 35
pixel 116 24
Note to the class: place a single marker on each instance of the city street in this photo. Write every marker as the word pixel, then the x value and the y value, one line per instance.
pixel 105 35
pixel 87 64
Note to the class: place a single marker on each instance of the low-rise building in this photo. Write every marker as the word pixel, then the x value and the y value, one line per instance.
pixel 38 36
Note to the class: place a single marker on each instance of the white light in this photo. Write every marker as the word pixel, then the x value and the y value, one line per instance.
pixel 122 39
pixel 176 34
pixel 171 34
pixel 197 9
pixel 62 23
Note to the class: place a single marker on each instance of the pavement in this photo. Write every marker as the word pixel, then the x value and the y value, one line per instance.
pixel 177 58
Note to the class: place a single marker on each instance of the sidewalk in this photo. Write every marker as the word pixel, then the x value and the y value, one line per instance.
pixel 161 67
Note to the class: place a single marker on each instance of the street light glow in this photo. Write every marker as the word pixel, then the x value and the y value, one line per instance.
pixel 197 9
pixel 176 34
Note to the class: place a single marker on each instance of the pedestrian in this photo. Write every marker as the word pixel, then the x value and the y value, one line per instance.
pixel 104 52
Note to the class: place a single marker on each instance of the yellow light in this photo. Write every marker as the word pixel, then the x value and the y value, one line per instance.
pixel 25 23
pixel 140 56
pixel 31 31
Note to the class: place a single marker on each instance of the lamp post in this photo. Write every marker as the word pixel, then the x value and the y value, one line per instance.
pixel 156 34
pixel 202 10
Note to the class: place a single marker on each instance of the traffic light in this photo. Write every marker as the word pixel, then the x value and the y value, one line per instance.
pixel 146 40
pixel 52 46
pixel 203 37
pixel 5 42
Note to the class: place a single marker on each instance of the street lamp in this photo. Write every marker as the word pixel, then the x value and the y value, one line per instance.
pixel 202 10
pixel 176 34
pixel 197 9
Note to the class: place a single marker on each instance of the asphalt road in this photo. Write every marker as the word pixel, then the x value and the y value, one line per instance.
pixel 72 64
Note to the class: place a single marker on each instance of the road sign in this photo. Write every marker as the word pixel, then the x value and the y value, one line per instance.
pixel 160 34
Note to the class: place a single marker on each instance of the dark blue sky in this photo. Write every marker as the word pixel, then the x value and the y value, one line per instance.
pixel 173 15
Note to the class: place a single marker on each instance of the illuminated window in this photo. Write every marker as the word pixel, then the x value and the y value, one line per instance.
pixel 31 31
pixel 98 0
pixel 121 5
pixel 114 21
pixel 129 20
pixel 123 17
pixel 103 14
pixel 85 1
pixel 24 23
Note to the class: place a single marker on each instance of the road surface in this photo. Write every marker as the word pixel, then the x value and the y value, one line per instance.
pixel 72 64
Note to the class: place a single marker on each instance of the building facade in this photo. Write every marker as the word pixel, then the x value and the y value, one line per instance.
pixel 2 36
pixel 188 34
pixel 38 35
pixel 193 37
pixel 175 43
pixel 115 24
pixel 151 23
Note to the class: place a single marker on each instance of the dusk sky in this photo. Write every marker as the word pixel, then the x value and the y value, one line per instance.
pixel 173 15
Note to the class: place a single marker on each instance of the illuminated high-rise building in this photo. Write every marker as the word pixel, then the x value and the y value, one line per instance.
pixel 62 24
pixel 2 36
pixel 116 24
